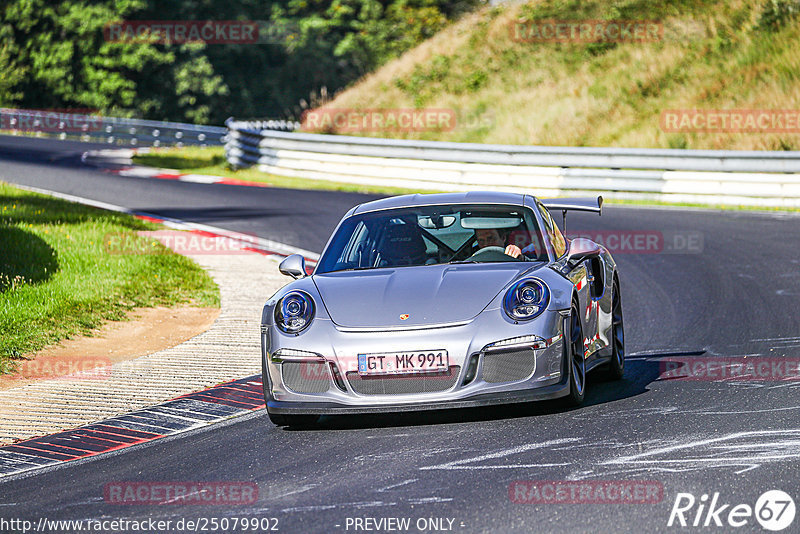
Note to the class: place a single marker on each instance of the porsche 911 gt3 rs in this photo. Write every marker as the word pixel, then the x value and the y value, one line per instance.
pixel 442 300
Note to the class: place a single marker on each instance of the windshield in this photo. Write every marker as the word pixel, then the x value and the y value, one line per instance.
pixel 431 235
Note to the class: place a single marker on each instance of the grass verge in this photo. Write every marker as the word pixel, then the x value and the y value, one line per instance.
pixel 58 280
pixel 211 160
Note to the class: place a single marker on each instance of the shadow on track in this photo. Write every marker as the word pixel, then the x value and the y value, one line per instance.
pixel 45 151
pixel 217 214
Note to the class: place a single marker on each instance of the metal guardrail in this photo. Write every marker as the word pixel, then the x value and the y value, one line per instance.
pixel 704 176
pixel 110 130
pixel 267 124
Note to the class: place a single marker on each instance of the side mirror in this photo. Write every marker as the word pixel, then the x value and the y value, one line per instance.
pixel 580 249
pixel 294 266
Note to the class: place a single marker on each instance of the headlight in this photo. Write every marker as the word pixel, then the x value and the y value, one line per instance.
pixel 294 312
pixel 526 299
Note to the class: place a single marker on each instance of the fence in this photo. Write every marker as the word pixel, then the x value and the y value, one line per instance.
pixel 109 130
pixel 757 178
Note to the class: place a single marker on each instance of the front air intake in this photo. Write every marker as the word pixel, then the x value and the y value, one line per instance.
pixel 404 384
pixel 306 377
pixel 508 366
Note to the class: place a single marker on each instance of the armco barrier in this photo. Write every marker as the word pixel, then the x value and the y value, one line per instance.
pixel 114 131
pixel 758 178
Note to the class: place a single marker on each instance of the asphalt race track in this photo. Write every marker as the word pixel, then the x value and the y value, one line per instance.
pixel 717 285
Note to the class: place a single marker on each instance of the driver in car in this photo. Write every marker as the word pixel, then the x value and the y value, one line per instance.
pixel 490 237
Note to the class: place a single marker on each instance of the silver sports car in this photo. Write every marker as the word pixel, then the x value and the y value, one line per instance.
pixel 444 300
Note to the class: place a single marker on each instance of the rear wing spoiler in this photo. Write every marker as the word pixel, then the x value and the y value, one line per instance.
pixel 591 204
pixel 575 204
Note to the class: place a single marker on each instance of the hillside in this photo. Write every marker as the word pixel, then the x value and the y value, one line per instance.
pixel 723 55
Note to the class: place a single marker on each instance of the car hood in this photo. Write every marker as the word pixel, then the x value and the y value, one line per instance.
pixel 427 295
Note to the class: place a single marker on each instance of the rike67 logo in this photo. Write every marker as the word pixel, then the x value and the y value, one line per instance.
pixel 774 510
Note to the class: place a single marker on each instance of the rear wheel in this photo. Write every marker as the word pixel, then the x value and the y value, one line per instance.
pixel 576 363
pixel 616 367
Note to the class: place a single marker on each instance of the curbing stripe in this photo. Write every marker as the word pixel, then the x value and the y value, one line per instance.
pixel 145 419
pixel 251 243
pixel 193 415
pixel 116 430
pixel 103 437
pixel 181 414
pixel 41 451
pixel 138 171
pixel 175 416
pixel 11 460
pixel 227 402
pixel 79 444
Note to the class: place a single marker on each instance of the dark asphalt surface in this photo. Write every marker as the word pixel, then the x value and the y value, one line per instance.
pixel 736 297
pixel 300 218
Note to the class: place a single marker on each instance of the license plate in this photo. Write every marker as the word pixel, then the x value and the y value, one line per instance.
pixel 392 363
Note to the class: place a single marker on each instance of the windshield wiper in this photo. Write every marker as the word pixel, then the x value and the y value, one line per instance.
pixel 465 261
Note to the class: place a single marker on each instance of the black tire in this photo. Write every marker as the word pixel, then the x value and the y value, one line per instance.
pixel 277 419
pixel 575 359
pixel 293 420
pixel 616 367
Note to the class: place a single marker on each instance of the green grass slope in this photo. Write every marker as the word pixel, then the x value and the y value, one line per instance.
pixel 725 54
pixel 59 276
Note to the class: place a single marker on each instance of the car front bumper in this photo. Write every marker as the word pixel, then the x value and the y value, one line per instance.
pixel 318 374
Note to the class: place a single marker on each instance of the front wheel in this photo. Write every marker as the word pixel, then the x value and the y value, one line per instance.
pixel 576 362
pixel 297 421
